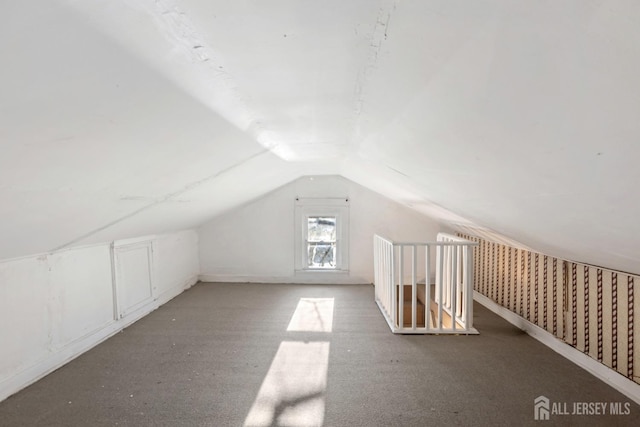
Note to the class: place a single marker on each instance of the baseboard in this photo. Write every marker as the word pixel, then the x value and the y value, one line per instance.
pixel 66 354
pixel 597 369
pixel 305 278
pixel 173 292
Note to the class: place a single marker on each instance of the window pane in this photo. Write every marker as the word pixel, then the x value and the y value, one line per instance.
pixel 321 242
pixel 322 229
pixel 321 255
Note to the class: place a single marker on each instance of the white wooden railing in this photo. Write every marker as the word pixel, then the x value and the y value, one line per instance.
pixel 445 306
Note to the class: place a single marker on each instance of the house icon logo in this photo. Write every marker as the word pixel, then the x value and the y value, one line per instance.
pixel 541 408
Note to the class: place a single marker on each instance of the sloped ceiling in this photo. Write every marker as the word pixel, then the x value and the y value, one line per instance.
pixel 121 118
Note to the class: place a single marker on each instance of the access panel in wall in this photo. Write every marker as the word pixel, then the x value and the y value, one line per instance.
pixel 133 276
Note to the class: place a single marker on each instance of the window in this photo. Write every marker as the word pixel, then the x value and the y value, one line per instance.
pixel 322 234
pixel 321 242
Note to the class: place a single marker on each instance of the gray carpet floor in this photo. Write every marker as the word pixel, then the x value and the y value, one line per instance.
pixel 200 360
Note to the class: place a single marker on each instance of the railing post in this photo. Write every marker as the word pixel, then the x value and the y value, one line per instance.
pixel 400 301
pixel 439 282
pixel 427 287
pixel 414 290
pixel 387 291
pixel 447 288
pixel 469 292
pixel 376 267
pixel 464 286
pixel 394 296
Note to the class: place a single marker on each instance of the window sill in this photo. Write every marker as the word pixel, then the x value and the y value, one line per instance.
pixel 320 270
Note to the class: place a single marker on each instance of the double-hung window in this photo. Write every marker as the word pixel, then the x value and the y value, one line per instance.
pixel 321 242
pixel 321 235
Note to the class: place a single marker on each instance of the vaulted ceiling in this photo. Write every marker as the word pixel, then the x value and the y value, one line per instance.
pixel 121 118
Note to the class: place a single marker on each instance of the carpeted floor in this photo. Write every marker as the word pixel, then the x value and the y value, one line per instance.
pixel 201 359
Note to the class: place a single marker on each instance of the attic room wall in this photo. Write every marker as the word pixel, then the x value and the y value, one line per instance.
pixel 57 306
pixel 588 308
pixel 255 243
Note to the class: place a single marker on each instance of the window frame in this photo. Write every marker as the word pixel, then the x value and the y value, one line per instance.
pixel 308 207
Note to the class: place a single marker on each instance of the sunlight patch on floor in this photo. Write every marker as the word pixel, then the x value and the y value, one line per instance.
pixel 312 315
pixel 293 391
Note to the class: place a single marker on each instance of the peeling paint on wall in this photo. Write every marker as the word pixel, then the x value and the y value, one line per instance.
pixel 378 35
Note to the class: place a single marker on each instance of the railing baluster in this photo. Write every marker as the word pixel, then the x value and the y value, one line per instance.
pixel 459 282
pixel 454 286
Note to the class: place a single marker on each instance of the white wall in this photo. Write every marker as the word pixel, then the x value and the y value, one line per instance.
pixel 54 307
pixel 255 242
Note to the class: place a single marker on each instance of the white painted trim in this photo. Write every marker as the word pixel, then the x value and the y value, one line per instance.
pixel 64 355
pixel 171 293
pixel 51 253
pixel 81 338
pixel 322 201
pixel 92 245
pixel 114 284
pixel 134 240
pixel 310 278
pixel 595 368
